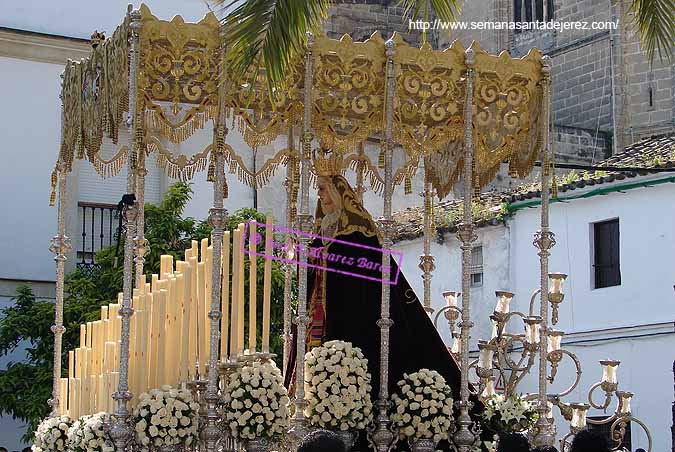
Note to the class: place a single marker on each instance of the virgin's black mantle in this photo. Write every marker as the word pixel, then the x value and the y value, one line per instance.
pixel 353 309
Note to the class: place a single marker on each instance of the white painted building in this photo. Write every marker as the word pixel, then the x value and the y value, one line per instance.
pixel 624 311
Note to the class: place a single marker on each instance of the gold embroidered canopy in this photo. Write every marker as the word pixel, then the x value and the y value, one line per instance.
pixel 178 81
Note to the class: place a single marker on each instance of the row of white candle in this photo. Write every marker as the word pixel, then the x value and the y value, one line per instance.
pixel 170 328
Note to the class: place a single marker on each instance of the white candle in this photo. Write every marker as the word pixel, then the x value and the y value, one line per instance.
pixel 225 298
pixel 236 256
pixel 554 339
pixel 451 298
pixel 625 402
pixel 503 301
pixel 267 285
pixel 252 289
pixel 557 280
pixel 549 413
pixel 495 330
pixel 489 389
pixel 532 332
pixel 609 371
pixel 240 316
pixel 579 415
pixel 485 356
pixel 456 346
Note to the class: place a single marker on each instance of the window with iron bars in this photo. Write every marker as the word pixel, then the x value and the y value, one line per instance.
pixel 476 268
pixel 532 11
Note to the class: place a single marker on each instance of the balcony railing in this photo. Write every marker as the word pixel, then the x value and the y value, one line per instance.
pixel 99 228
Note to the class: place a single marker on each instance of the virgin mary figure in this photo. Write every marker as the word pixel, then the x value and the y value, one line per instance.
pixel 345 292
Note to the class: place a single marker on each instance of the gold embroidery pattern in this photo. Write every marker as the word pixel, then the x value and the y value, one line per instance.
pixel 261 118
pixel 179 65
pixel 429 97
pixel 507 99
pixel 348 90
pixel 178 81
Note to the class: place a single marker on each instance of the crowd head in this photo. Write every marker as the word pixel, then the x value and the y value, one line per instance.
pixel 321 441
pixel 590 441
pixel 513 442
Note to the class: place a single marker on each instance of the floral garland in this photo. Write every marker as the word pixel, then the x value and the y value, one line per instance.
pixel 87 435
pixel 337 387
pixel 257 402
pixel 52 434
pixel 423 406
pixel 509 414
pixel 166 417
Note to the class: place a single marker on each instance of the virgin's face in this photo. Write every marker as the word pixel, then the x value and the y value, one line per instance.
pixel 327 203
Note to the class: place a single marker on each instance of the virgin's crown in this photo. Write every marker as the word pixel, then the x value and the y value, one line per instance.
pixel 328 163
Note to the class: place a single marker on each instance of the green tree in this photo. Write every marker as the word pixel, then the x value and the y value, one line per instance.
pixel 26 386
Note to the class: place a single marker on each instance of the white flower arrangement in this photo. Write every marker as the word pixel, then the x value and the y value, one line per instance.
pixel 337 387
pixel 509 414
pixel 257 403
pixel 423 406
pixel 166 417
pixel 52 435
pixel 87 435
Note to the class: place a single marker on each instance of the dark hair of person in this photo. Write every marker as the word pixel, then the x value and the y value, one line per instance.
pixel 545 449
pixel 3 449
pixel 513 442
pixel 590 441
pixel 321 441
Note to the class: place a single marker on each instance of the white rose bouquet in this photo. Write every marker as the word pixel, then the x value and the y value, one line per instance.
pixel 337 387
pixel 52 434
pixel 509 414
pixel 257 402
pixel 166 417
pixel 87 435
pixel 423 406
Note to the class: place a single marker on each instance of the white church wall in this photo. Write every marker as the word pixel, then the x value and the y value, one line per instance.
pixel 608 319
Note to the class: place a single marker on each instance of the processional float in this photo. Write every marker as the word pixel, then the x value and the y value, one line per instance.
pixel 153 84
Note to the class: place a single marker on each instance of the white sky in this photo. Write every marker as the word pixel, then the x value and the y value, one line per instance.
pixel 79 18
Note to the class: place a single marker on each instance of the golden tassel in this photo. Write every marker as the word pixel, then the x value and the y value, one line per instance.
pixel 408 185
pixel 554 187
pixel 380 159
pixel 225 189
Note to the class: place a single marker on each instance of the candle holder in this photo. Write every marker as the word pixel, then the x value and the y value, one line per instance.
pixel 503 301
pixel 532 332
pixel 451 311
pixel 555 294
pixel 608 383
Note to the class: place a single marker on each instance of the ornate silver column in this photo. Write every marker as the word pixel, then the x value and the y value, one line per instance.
pixel 304 224
pixel 218 220
pixel 464 436
pixel 121 432
pixel 427 259
pixel 60 246
pixel 141 244
pixel 544 240
pixel 288 268
pixel 382 435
